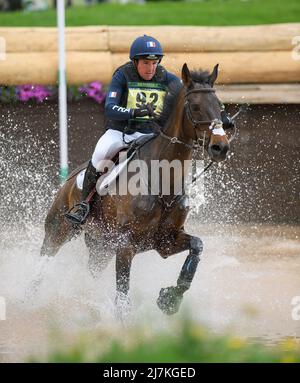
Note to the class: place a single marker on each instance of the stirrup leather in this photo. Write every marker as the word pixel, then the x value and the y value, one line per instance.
pixel 78 213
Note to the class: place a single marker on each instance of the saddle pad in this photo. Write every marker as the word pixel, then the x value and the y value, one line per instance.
pixel 79 179
pixel 112 175
pixel 109 178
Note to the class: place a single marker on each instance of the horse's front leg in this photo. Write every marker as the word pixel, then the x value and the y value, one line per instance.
pixel 170 298
pixel 123 264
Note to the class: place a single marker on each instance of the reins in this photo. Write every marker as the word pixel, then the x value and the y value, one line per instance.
pixel 214 124
pixel 195 145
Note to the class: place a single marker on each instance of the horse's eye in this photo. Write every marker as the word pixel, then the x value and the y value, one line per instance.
pixel 195 108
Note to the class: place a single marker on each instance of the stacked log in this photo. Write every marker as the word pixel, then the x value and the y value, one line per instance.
pixel 251 54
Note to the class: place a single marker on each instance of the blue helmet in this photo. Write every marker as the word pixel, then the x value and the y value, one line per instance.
pixel 146 47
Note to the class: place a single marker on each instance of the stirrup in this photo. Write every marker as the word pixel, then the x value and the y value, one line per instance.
pixel 77 215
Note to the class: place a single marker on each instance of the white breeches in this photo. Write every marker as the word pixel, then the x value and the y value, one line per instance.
pixel 109 145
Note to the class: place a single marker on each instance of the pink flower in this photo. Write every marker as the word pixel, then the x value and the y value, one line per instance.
pixel 96 85
pixel 37 92
pixel 94 91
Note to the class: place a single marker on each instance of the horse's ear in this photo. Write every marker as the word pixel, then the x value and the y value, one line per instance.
pixel 186 75
pixel 213 76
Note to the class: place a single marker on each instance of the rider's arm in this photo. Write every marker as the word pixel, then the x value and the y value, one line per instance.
pixel 113 110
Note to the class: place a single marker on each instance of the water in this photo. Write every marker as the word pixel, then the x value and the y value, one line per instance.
pixel 246 280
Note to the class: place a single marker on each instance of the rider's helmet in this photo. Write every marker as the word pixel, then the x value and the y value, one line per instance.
pixel 146 47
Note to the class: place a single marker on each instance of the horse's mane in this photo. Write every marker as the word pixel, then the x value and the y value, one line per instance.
pixel 199 76
pixel 169 102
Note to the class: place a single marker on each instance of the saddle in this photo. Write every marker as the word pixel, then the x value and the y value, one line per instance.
pixel 120 163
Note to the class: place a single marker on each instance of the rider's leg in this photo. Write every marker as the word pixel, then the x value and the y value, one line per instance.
pixel 79 212
pixel 90 178
pixel 108 145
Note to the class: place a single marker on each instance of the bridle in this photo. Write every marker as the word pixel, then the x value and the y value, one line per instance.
pixel 187 106
pixel 212 124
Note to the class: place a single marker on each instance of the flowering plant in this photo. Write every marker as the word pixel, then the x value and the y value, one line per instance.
pixel 94 91
pixel 41 93
pixel 35 92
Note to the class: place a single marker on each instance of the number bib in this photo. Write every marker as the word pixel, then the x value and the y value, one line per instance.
pixel 141 93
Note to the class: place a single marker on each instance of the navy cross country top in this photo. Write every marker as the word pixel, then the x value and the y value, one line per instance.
pixel 125 95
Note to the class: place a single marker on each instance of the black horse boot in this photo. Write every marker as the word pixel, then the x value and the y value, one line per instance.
pixel 78 214
pixel 227 121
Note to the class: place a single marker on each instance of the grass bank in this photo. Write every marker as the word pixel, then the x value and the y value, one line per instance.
pixel 213 12
pixel 184 342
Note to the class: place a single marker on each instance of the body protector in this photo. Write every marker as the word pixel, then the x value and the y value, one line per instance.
pixel 140 92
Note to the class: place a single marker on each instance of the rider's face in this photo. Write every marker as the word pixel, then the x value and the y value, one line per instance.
pixel 146 68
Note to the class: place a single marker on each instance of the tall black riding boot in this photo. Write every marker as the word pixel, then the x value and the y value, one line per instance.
pixel 78 214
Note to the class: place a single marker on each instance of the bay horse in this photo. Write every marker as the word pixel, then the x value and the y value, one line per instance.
pixel 129 224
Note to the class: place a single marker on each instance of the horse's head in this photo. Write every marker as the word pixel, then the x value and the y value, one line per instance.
pixel 203 112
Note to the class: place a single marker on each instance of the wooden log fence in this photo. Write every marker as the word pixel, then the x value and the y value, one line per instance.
pixel 247 54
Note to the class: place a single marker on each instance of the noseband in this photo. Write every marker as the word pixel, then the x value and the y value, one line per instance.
pixel 214 124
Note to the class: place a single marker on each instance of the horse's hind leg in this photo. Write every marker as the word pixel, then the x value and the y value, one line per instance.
pixel 170 297
pixel 123 265
pixel 99 256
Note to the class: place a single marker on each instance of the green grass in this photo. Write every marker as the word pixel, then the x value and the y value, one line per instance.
pixel 210 12
pixel 187 342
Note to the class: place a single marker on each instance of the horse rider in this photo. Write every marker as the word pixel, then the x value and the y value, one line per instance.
pixel 136 94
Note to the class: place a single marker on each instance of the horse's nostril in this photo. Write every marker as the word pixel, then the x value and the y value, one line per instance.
pixel 218 151
pixel 216 148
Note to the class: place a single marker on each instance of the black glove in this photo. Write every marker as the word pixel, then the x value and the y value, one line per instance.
pixel 144 110
pixel 227 121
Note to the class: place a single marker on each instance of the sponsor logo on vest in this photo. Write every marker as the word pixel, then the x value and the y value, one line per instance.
pixel 120 109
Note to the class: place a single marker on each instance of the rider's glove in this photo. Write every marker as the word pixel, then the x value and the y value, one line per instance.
pixel 144 110
pixel 227 121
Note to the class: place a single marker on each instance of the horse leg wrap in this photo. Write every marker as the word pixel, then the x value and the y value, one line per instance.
pixel 190 265
pixel 170 298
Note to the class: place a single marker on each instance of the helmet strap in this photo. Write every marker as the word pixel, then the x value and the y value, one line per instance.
pixel 135 63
